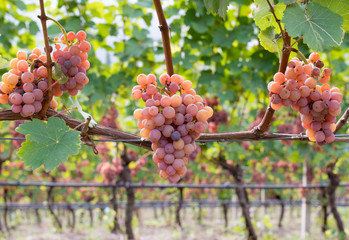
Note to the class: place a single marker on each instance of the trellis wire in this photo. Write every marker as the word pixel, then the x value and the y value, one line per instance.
pixel 162 186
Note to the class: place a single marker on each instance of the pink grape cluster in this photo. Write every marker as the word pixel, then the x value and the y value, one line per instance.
pixel 22 89
pixel 25 86
pixel 318 105
pixel 73 61
pixel 172 120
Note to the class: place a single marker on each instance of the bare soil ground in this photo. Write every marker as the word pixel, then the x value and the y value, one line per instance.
pixel 163 227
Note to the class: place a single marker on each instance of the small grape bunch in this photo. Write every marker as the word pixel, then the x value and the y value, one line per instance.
pixel 73 61
pixel 318 104
pixel 173 117
pixel 22 89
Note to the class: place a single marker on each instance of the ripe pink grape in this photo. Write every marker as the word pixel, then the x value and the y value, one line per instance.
pixel 28 110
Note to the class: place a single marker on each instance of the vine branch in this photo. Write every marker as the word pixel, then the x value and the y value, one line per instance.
pixel 48 99
pixel 268 116
pixel 300 55
pixel 164 29
pixel 8 115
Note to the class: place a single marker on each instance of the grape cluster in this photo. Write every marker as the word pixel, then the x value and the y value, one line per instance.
pixel 22 89
pixel 25 86
pixel 109 118
pixel 170 120
pixel 73 61
pixel 109 170
pixel 318 105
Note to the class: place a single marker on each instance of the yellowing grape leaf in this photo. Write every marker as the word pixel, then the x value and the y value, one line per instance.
pixel 319 26
pixel 264 18
pixel 47 143
pixel 267 39
pixel 338 6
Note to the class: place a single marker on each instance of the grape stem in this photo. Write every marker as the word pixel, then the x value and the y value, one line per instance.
pixel 300 55
pixel 164 29
pixel 165 90
pixel 62 29
pixel 50 87
pixel 48 98
pixel 36 60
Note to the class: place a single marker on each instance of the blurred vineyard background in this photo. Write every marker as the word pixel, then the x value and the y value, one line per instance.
pixel 230 68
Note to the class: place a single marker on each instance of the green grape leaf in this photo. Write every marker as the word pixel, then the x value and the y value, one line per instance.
pixel 47 143
pixel 338 6
pixel 4 63
pixel 57 73
pixel 33 28
pixel 319 26
pixel 267 39
pixel 264 18
pixel 220 7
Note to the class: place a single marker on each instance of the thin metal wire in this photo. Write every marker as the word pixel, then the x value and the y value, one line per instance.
pixel 162 186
